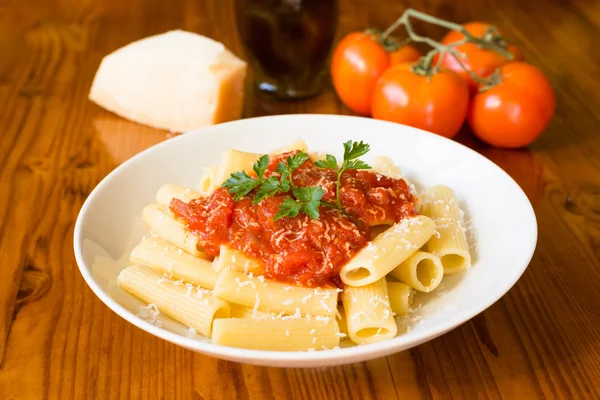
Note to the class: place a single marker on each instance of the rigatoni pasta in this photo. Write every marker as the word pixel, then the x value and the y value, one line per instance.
pixel 230 258
pixel 385 166
pixel 422 271
pixel 262 255
pixel 297 144
pixel 450 242
pixel 168 228
pixel 174 191
pixel 342 322
pixel 387 250
pixel 208 180
pixel 239 311
pixel 233 161
pixel 171 260
pixel 257 292
pixel 191 307
pixel 369 315
pixel 401 298
pixel 277 334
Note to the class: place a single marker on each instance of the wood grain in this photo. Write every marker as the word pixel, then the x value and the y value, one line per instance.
pixel 57 340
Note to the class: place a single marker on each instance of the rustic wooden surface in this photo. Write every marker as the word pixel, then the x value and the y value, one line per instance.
pixel 57 340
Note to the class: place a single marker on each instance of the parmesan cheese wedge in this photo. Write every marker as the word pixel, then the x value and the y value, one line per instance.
pixel 178 81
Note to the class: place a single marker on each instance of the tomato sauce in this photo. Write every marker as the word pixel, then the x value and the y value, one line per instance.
pixel 298 249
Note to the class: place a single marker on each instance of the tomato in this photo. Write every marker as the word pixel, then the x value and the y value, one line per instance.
pixel 480 61
pixel 437 104
pixel 357 62
pixel 514 112
pixel 406 53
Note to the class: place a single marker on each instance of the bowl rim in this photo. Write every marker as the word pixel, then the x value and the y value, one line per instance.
pixel 314 358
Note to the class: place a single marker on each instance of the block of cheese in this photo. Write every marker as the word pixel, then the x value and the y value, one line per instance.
pixel 177 80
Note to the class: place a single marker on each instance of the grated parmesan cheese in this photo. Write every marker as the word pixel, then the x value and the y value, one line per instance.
pixel 189 288
pixel 256 304
pixel 325 306
pixel 150 314
pixel 191 332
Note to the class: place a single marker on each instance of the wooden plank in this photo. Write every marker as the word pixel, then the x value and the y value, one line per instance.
pixel 57 340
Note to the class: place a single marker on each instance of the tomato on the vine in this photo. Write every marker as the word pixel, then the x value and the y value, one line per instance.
pixel 480 61
pixel 404 54
pixel 436 103
pixel 358 61
pixel 516 109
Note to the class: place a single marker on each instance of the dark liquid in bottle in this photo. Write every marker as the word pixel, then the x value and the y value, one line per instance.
pixel 288 43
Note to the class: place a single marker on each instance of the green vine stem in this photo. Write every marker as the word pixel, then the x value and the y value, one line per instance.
pixel 492 40
pixel 493 80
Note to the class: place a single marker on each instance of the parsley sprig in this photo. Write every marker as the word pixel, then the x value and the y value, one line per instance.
pixel 306 199
pixel 352 151
pixel 240 184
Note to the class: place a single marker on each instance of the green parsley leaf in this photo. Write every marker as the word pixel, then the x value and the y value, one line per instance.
pixel 240 184
pixel 354 150
pixel 284 185
pixel 260 166
pixel 269 187
pixel 289 208
pixel 283 170
pixel 310 196
pixel 297 160
pixel 309 193
pixel 329 162
pixel 311 209
pixel 357 164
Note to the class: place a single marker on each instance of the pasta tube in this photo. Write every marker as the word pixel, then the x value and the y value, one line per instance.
pixel 196 310
pixel 172 190
pixel 234 161
pixel 401 298
pixel 238 261
pixel 450 245
pixel 297 144
pixel 238 311
pixel 317 156
pixel 368 313
pixel 277 334
pixel 377 230
pixel 387 251
pixel 342 323
pixel 166 258
pixel 422 271
pixel 207 181
pixel 262 294
pixel 385 166
pixel 168 228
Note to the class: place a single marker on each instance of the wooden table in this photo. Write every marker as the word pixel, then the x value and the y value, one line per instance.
pixel 57 340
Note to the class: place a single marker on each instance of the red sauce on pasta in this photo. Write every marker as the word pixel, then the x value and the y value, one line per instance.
pixel 299 249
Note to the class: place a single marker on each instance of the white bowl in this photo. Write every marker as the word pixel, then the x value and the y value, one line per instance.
pixel 502 220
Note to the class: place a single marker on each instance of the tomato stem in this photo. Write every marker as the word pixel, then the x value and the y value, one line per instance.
pixel 493 80
pixel 389 44
pixel 457 56
pixel 405 41
pixel 423 65
pixel 438 65
pixel 491 40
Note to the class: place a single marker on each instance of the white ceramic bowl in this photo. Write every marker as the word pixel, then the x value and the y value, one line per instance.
pixel 502 220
